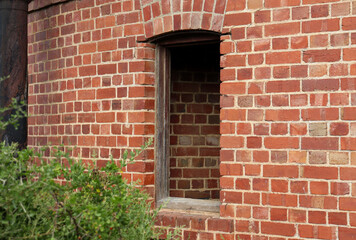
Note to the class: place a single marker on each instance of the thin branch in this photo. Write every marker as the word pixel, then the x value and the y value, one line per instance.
pixel 69 213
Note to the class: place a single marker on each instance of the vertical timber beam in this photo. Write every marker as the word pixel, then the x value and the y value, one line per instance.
pixel 162 123
pixel 13 62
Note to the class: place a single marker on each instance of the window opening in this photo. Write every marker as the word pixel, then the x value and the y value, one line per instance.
pixel 194 121
pixel 187 120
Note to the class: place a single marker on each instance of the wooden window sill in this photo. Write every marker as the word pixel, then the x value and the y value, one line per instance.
pixel 189 204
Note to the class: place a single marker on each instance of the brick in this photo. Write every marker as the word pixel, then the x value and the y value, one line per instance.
pixel 348 23
pixel 319 114
pixel 352 219
pixel 281 142
pixel 297 156
pixel 280 43
pixel 262 101
pixel 339 188
pixel 322 55
pixel 87 71
pixel 282 14
pixel 243 74
pixel 321 84
pixel 225 225
pixel 320 143
pixel 107 45
pixel 254 142
pixel 106 141
pixel 317 129
pixel 319 188
pixel 284 57
pixel 226 155
pixel 252 170
pixel 281 72
pixel 243 211
pixel 317 217
pixel 280 229
pixel 105 117
pixel 338 70
pixel 347 173
pixel 246 226
pixel 349 54
pixel 341 39
pixel 244 46
pixel 106 93
pixel 299 187
pixel 255 115
pixel 337 218
pixel 231 197
pixel 279 186
pixel 283 86
pixel 254 4
pixel 263 73
pixel 226 183
pixel 231 142
pixel 347 203
pixel 86 94
pixel 348 143
pixel 320 172
pixel 319 41
pixel 254 32
pixel 233 114
pixel 300 13
pixel 262 16
pixel 299 71
pixel 320 26
pixel 318 11
pixel 279 156
pixel 280 171
pixel 237 19
pixel 107 69
pixel 260 184
pixel 238 33
pixel 281 3
pixel 340 9
pixel 298 129
pixel 348 84
pixel 262 45
pixel 298 216
pixel 298 100
pixel 347 233
pixel 233 60
pixel 282 115
pixel 282 29
pixel 279 128
pixel 339 129
pixel 260 212
pixel 319 70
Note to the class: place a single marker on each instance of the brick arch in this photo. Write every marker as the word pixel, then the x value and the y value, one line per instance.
pixel 162 16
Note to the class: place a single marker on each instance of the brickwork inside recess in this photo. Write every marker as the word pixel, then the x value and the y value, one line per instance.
pixel 288 104
pixel 194 122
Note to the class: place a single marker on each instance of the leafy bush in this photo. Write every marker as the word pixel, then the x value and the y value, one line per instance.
pixel 87 203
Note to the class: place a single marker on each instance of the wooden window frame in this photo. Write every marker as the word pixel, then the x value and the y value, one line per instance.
pixel 162 132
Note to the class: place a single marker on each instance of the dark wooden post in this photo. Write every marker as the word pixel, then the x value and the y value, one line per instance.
pixel 13 61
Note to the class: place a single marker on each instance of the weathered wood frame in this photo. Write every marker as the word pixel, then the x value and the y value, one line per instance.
pixel 163 68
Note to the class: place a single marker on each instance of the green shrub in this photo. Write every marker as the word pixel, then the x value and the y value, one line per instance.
pixel 87 203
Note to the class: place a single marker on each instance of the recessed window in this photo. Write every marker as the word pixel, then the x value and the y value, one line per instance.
pixel 188 119
pixel 194 122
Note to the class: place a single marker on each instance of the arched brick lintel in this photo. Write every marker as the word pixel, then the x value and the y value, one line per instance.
pixel 163 16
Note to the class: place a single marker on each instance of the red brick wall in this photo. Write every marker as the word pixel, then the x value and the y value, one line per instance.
pixel 288 98
pixel 194 122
